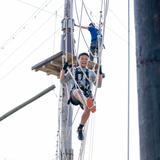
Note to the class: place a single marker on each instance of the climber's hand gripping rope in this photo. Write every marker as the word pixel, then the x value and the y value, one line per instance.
pixel 66 65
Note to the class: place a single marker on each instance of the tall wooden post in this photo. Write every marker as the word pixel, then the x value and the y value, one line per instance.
pixel 53 65
pixel 66 151
pixel 147 22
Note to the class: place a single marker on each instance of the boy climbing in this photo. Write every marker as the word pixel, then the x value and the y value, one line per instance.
pixel 96 39
pixel 81 92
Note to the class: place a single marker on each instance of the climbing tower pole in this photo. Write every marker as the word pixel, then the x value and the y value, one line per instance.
pixel 66 151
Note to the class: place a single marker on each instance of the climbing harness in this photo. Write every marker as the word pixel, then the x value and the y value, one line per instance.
pixel 83 84
pixel 79 77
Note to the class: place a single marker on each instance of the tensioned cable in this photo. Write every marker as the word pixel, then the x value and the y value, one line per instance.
pixel 45 5
pixel 99 55
pixel 23 26
pixel 94 17
pixel 118 19
pixel 87 11
pixel 31 35
pixel 120 37
pixel 128 130
pixel 80 23
pixel 114 14
pixel 55 31
pixel 29 4
pixel 101 47
pixel 128 126
pixel 84 142
pixel 106 9
pixel 26 57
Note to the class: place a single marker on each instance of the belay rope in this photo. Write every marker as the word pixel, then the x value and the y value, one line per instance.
pixel 100 47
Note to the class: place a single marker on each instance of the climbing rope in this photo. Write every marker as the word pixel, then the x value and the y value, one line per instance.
pixel 83 143
pixel 100 47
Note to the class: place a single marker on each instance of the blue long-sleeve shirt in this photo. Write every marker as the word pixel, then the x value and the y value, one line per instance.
pixel 94 33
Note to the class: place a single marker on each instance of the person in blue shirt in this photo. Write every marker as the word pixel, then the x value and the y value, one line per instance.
pixel 95 36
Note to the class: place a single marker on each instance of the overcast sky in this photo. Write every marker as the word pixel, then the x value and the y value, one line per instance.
pixel 30 32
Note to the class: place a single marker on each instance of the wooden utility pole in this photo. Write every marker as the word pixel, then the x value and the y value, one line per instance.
pixel 66 152
pixel 53 65
pixel 147 26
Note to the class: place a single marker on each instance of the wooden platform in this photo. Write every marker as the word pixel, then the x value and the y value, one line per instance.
pixel 53 64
